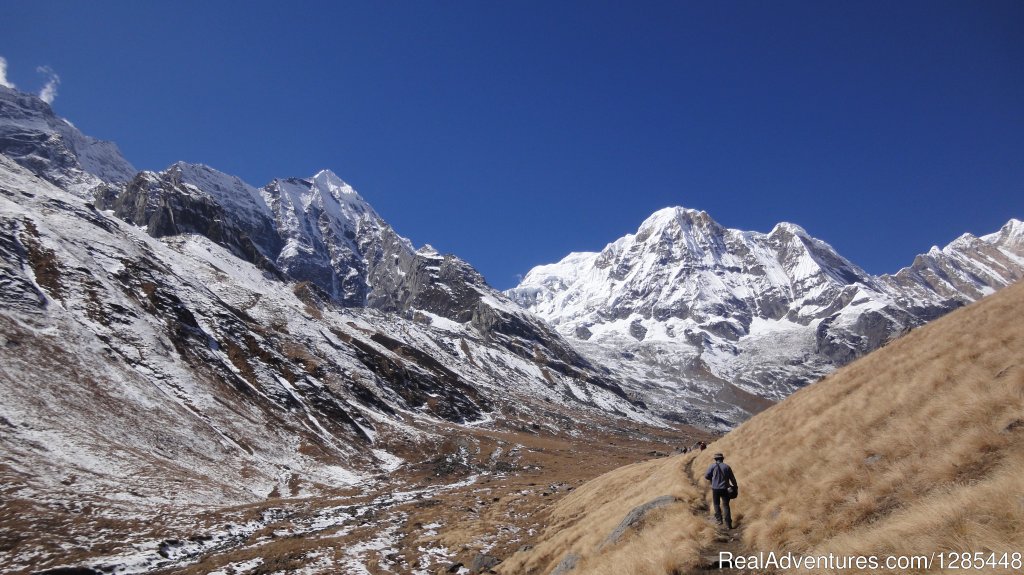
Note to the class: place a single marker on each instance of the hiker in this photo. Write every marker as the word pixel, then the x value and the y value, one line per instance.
pixel 721 477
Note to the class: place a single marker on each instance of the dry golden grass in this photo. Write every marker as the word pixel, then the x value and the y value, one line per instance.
pixel 915 449
pixel 665 540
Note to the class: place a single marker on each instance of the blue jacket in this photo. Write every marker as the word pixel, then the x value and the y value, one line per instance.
pixel 720 475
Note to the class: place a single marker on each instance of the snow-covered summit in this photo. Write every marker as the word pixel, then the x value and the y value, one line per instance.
pixel 428 251
pixel 682 263
pixel 338 188
pixel 331 234
pixel 687 302
pixel 789 228
pixel 1011 234
pixel 35 137
pixel 324 191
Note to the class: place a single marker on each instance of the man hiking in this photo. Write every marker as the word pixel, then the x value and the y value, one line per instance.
pixel 721 477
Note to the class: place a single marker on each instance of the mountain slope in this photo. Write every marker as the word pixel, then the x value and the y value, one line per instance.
pixel 969 268
pixel 146 378
pixel 708 322
pixel 916 449
pixel 181 340
pixel 203 329
pixel 320 230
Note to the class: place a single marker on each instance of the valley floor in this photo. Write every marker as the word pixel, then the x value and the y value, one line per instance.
pixel 483 500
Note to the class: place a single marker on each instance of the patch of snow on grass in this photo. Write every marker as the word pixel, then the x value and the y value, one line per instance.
pixel 238 567
pixel 389 461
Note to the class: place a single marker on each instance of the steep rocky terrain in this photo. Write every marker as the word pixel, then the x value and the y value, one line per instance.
pixel 707 323
pixel 321 231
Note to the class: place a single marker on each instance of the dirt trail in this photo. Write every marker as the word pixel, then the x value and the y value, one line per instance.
pixel 725 540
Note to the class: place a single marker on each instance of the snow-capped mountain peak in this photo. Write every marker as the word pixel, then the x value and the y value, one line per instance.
pixel 428 251
pixel 330 182
pixel 677 220
pixel 1011 234
pixel 325 193
pixel 685 299
pixel 789 228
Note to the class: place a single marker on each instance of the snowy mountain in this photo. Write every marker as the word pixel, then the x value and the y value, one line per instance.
pixel 160 329
pixel 709 322
pixel 320 230
pixel 967 269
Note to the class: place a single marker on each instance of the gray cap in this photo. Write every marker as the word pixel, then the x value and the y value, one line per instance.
pixel 719 456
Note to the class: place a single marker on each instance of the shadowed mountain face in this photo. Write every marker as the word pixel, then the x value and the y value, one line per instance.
pixel 702 319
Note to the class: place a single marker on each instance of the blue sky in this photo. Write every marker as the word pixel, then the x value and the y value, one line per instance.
pixel 511 133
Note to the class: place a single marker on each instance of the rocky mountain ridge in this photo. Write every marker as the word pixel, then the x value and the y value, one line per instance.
pixel 182 325
pixel 701 318
pixel 33 136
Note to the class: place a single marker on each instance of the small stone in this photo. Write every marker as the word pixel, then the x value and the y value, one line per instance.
pixel 482 563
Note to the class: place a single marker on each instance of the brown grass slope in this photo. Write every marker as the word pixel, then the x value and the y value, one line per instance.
pixel 915 449
pixel 580 537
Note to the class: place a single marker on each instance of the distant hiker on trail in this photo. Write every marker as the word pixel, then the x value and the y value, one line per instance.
pixel 721 477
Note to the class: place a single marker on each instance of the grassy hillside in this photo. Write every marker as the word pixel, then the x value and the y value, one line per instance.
pixel 915 449
pixel 591 530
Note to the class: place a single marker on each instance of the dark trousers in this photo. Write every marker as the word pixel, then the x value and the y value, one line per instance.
pixel 720 497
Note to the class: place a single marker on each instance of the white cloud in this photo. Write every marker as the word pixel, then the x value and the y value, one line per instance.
pixel 3 74
pixel 49 92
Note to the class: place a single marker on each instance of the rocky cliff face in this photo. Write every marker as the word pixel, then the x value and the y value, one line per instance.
pixel 169 204
pixel 320 230
pixel 706 321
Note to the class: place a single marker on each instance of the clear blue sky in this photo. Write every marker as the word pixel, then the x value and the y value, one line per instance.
pixel 511 133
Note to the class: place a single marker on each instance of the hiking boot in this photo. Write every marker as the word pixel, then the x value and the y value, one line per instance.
pixel 718 521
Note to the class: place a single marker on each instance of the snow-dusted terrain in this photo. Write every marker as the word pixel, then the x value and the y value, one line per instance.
pixel 180 338
pixel 705 321
pixel 33 136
